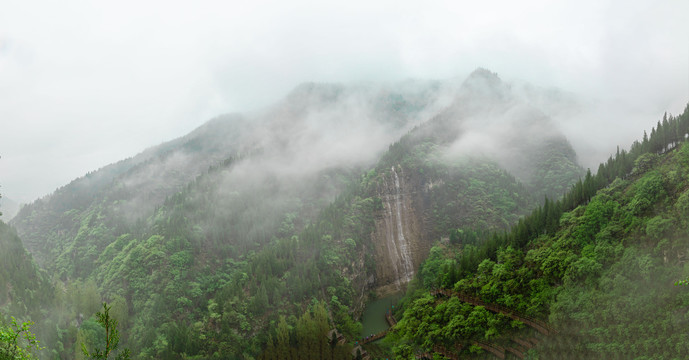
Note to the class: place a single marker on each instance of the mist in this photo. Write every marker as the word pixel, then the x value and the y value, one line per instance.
pixel 83 85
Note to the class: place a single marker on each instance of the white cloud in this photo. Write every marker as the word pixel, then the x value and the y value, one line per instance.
pixel 85 83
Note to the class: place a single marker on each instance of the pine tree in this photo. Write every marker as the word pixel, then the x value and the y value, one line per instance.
pixel 306 337
pixel 269 354
pixel 321 327
pixel 283 347
pixel 112 337
pixel 333 344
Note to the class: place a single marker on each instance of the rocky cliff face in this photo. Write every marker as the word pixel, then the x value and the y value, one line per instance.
pixel 518 155
pixel 398 240
pixel 418 206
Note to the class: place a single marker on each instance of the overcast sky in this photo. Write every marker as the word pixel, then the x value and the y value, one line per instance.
pixel 86 83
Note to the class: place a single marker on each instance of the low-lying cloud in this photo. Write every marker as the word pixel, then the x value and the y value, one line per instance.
pixel 84 84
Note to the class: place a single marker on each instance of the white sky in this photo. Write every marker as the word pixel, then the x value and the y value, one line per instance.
pixel 86 83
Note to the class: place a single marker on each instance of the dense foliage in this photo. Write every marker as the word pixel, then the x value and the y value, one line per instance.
pixel 17 342
pixel 209 249
pixel 598 264
pixel 310 338
pixel 112 338
pixel 20 278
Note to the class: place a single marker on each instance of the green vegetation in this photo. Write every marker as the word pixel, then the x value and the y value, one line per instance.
pixel 205 276
pixel 597 264
pixel 112 337
pixel 17 342
pixel 20 278
pixel 313 338
pixel 230 260
pixel 191 284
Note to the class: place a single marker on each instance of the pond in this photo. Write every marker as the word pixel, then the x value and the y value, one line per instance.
pixel 373 319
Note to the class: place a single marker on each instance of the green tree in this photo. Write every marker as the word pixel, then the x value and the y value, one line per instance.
pixel 120 310
pixel 112 337
pixel 283 346
pixel 16 341
pixel 321 327
pixel 85 298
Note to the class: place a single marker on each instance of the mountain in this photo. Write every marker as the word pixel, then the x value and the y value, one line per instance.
pixel 592 275
pixel 316 127
pixel 9 208
pixel 210 242
pixel 24 288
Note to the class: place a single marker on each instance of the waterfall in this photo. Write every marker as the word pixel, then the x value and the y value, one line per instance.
pixel 397 245
pixel 402 244
pixel 398 248
pixel 390 238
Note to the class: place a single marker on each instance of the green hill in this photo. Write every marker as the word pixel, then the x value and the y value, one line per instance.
pixel 599 266
pixel 24 288
pixel 210 244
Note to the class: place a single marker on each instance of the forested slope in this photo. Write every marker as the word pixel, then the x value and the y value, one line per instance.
pixel 599 266
pixel 212 245
pixel 24 288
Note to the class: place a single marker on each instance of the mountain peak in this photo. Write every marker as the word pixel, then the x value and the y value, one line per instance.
pixel 483 77
pixel 484 74
pixel 313 91
pixel 485 83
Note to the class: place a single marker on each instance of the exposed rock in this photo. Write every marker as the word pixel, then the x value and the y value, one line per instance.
pixel 398 239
